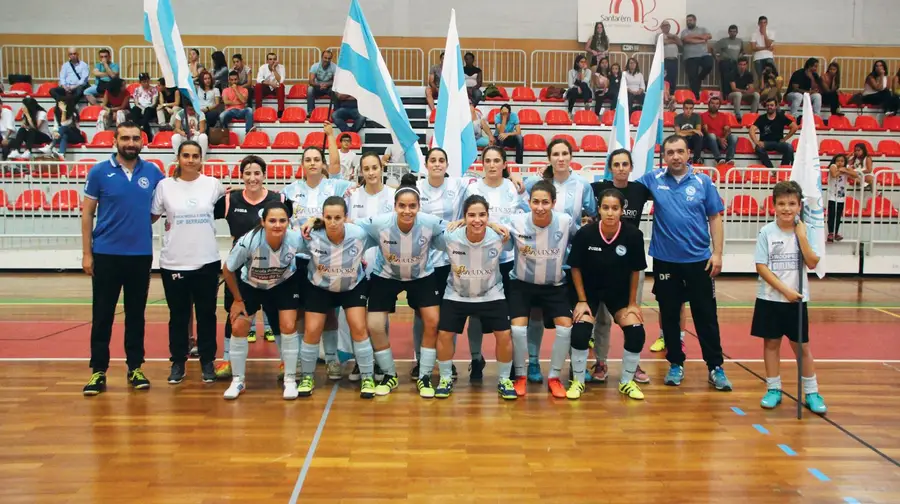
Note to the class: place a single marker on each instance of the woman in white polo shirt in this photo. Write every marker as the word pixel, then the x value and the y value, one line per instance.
pixel 189 261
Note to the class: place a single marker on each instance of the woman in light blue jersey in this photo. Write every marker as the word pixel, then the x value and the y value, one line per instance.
pixel 575 198
pixel 538 280
pixel 336 279
pixel 475 290
pixel 265 258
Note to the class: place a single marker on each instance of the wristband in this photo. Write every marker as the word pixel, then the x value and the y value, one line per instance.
pixel 582 301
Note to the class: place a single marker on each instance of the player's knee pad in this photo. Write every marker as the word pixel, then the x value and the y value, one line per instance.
pixel 581 335
pixel 634 338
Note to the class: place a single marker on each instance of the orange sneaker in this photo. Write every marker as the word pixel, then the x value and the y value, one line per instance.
pixel 520 385
pixel 223 370
pixel 556 388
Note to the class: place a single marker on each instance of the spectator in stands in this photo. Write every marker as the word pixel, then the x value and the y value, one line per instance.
pixel 728 52
pixel 600 83
pixel 73 78
pixel 578 82
pixel 741 89
pixel 35 129
pixel 270 81
pixel 434 83
pixel 839 175
pixel 698 63
pixel 145 98
pixel 235 98
pixel 831 87
pixel 115 105
pixel 169 105
pixel 671 44
pixel 245 80
pixel 7 128
pixel 762 42
pixel 861 162
pixel 347 109
pixel 805 80
pixel 394 154
pixel 877 89
pixel 321 78
pixel 895 94
pixel 689 125
pixel 767 134
pixel 349 160
pixel 104 71
pixel 483 136
pixel 194 65
pixel 612 90
pixel 67 121
pixel 220 71
pixel 473 78
pixel 190 125
pixel 717 135
pixel 598 45
pixel 210 98
pixel 771 84
pixel 509 131
pixel 634 81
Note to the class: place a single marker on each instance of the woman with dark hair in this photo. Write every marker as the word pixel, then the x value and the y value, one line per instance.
pixel 771 85
pixel 145 98
pixel 895 93
pixel 830 88
pixel 115 105
pixel 839 175
pixel 67 120
pixel 189 260
pixel 509 131
pixel 578 82
pixel 860 161
pixel 210 99
pixel 805 80
pixel 194 65
pixel 220 71
pixel 634 81
pixel 169 104
pixel 35 130
pixel 600 83
pixel 614 78
pixel 877 89
pixel 597 47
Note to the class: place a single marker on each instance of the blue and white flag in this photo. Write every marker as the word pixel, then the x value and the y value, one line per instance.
pixel 362 74
pixel 650 129
pixel 453 129
pixel 161 31
pixel 620 134
pixel 807 172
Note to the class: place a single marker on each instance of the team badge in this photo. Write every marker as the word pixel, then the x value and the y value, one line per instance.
pixel 621 250
pixel 492 253
pixel 690 191
pixel 143 182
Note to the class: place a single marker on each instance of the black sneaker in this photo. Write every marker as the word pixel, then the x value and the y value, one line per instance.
pixel 355 375
pixel 208 372
pixel 176 375
pixel 137 379
pixel 455 373
pixel 414 372
pixel 96 385
pixel 476 370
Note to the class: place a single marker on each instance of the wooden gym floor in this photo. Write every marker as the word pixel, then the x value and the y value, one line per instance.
pixel 185 444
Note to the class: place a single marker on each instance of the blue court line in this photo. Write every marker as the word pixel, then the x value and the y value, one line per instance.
pixel 787 449
pixel 312 446
pixel 737 410
pixel 850 500
pixel 819 474
pixel 760 428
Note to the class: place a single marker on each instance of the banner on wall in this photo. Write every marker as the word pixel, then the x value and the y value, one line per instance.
pixel 630 21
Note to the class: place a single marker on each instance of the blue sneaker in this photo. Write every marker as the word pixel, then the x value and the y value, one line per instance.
pixel 815 403
pixel 771 399
pixel 534 372
pixel 675 375
pixel 718 379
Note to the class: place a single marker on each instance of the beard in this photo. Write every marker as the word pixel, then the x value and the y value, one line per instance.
pixel 129 153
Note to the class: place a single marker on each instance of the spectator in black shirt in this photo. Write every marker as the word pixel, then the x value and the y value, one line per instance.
pixel 473 79
pixel 805 80
pixel 742 89
pixel 767 134
pixel 688 125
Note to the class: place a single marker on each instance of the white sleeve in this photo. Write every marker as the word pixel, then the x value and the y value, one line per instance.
pixel 158 207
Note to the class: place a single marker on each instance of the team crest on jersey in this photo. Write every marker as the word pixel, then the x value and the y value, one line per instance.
pixel 558 235
pixel 690 191
pixel 625 206
pixel 386 207
pixel 353 251
pixel 621 250
pixel 422 241
pixel 192 202
pixel 451 194
pixel 570 194
pixel 143 182
pixel 492 253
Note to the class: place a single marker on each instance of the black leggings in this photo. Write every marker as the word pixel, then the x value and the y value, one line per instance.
pixel 144 118
pixel 29 138
pixel 835 213
pixel 184 288
pixel 580 91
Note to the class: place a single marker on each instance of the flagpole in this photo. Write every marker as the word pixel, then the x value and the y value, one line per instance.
pixel 328 119
pixel 800 333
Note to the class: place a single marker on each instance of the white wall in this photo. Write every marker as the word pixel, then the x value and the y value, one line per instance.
pixel 868 22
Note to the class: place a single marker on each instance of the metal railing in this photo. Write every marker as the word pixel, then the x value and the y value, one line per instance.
pixel 406 64
pixel 855 70
pixel 550 67
pixel 501 67
pixel 880 209
pixel 134 60
pixel 296 59
pixel 43 62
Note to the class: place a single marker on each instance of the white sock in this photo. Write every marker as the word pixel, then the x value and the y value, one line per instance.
pixel 308 355
pixel 289 351
pixel 503 369
pixel 520 349
pixel 561 345
pixel 630 362
pixel 810 384
pixel 773 383
pixel 364 358
pixel 579 363
pixel 385 360
pixel 278 344
pixel 426 363
pixel 239 349
pixel 330 342
pixel 418 330
pixel 226 353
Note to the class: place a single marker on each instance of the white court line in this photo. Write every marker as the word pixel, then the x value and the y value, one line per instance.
pixel 117 359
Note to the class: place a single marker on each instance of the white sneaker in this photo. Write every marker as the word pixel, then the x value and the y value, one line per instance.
pixel 234 390
pixel 25 155
pixel 334 370
pixel 47 149
pixel 15 155
pixel 290 390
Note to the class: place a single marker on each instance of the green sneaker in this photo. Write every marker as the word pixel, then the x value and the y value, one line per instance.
pixel 96 385
pixel 426 390
pixel 444 388
pixel 506 389
pixel 306 387
pixel 816 404
pixel 388 384
pixel 270 336
pixel 367 388
pixel 251 337
pixel 137 379
pixel 771 399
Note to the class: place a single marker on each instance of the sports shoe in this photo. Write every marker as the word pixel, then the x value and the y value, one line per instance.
pixel 333 369
pixel 367 388
pixel 454 373
pixel 137 379
pixel 675 375
pixel 771 399
pixel 659 345
pixel 576 388
pixel 270 336
pixel 379 374
pixel 426 390
pixel 235 389
pixel 96 385
pixel 444 388
pixel 307 384
pixel 194 352
pixel 507 390
pixel 534 372
pixel 631 390
pixel 414 372
pixel 45 149
pixel 208 372
pixel 816 404
pixel 176 375
pixel 830 238
pixel 640 376
pixel 476 370
pixel 251 337
pixel 281 370
pixel 838 237
pixel 354 375
pixel 718 379
pixel 599 371
pixel 556 388
pixel 387 384
pixel 290 390
pixel 521 386
pixel 223 370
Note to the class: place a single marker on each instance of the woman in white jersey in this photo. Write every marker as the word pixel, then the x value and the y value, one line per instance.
pixel 189 260
pixel 475 291
pixel 574 198
pixel 265 258
pixel 505 201
pixel 538 280
pixel 336 279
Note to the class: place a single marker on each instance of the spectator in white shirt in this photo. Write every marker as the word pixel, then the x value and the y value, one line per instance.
pixel 194 65
pixel 634 81
pixel 73 78
pixel 321 78
pixel 349 161
pixel 35 130
pixel 578 84
pixel 762 42
pixel 144 98
pixel 190 125
pixel 270 81
pixel 7 126
pixel 210 98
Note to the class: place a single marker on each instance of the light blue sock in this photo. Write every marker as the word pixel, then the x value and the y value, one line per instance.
pixel 385 360
pixel 364 358
pixel 290 350
pixel 579 363
pixel 446 369
pixel 426 364
pixel 308 356
pixel 476 338
pixel 418 330
pixel 535 336
pixel 239 349
pixel 561 345
pixel 330 342
pixel 520 349
pixel 503 369
pixel 630 361
pixel 226 353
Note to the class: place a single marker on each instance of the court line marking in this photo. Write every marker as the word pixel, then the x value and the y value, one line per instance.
pixel 761 429
pixel 886 312
pixel 788 450
pixel 274 359
pixel 850 500
pixel 818 474
pixel 312 447
pixel 739 411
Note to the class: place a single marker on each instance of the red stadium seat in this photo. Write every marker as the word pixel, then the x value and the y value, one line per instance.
pixel 744 205
pixel 256 140
pixel 608 118
pixel 885 176
pixel 735 176
pixel 523 94
pixel 294 115
pixel 320 115
pixel 830 146
pixel 264 115
pixel 131 87
pixel 743 145
pixel 43 90
pixel 534 143
pixel 159 164
pixel 845 100
pixel 748 119
pixel 162 140
pixel 575 165
pixel 233 142
pixel 492 115
pixel 569 139
pixel 20 89
pixel 432 115
pixel 820 123
pixel 586 118
pixel 51 114
pixel 279 169
pixel 839 123
pixel 732 119
pixel 314 139
pixel 684 94
pixel 759 175
pixel 867 123
pixel 557 118
pixel 298 92
pixel 669 119
pixel 543 97
pixel 504 97
pixel 635 118
pixel 869 147
pixel 4 200
pixel 215 168
pixel 768 206
pixel 851 207
pixel 593 143
pixel 80 170
pixel 528 116
pixel 890 148
pixel 65 200
pixel 102 139
pixel 31 200
pixel 82 142
pixel 880 207
pixel 90 113
pixel 286 140
pixel 892 123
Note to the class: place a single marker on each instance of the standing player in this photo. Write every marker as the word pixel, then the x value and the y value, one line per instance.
pixel 607 261
pixel 779 249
